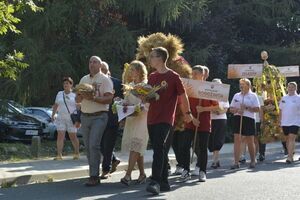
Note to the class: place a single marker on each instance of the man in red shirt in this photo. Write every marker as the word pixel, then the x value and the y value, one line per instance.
pixel 200 108
pixel 161 115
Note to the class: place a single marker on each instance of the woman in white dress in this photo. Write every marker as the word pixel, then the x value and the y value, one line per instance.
pixel 64 105
pixel 135 135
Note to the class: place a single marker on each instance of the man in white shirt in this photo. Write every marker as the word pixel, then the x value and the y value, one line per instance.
pixel 94 117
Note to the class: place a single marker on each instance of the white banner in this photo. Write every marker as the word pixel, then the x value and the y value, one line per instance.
pixel 289 71
pixel 206 90
pixel 244 70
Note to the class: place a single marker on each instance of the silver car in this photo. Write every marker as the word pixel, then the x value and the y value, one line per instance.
pixel 44 114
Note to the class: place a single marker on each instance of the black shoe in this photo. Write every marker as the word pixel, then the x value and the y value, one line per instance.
pixel 164 187
pixel 153 188
pixel 261 158
pixel 104 175
pixel 215 165
pixel 286 152
pixel 242 161
pixel 114 166
pixel 92 181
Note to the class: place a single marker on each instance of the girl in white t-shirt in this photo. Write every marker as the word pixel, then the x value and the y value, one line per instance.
pixel 289 118
pixel 244 105
pixel 64 105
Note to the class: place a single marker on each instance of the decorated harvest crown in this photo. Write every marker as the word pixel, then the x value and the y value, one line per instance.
pixel 271 87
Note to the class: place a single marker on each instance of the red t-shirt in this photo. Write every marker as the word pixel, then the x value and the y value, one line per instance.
pixel 163 110
pixel 204 117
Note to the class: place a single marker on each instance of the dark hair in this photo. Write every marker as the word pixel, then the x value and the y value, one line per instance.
pixel 161 52
pixel 69 79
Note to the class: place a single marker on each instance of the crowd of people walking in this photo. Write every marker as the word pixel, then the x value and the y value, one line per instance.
pixel 205 122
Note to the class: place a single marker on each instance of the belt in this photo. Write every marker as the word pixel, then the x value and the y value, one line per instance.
pixel 94 114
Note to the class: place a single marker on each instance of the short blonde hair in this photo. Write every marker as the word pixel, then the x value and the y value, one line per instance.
pixel 247 81
pixel 293 83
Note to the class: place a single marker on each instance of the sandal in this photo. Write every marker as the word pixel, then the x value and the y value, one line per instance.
pixel 142 179
pixel 252 165
pixel 126 181
pixel 58 158
pixel 235 166
pixel 76 156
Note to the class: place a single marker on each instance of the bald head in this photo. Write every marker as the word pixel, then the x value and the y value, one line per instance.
pixel 105 68
pixel 95 65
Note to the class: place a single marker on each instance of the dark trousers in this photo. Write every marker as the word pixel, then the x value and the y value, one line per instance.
pixel 217 136
pixel 158 134
pixel 178 136
pixel 107 147
pixel 261 146
pixel 200 149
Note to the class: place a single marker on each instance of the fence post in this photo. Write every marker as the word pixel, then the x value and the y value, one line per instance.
pixel 36 146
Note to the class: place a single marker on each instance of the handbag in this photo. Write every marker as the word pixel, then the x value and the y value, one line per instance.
pixel 75 116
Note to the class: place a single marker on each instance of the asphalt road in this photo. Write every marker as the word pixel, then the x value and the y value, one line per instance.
pixel 272 179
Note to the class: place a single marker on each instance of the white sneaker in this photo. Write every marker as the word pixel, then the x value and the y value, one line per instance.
pixel 185 176
pixel 202 176
pixel 178 170
pixel 195 172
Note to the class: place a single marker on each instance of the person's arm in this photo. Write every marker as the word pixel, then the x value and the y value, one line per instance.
pixel 54 110
pixel 78 98
pixel 221 110
pixel 280 116
pixel 254 106
pixel 233 110
pixel 105 99
pixel 185 109
pixel 235 106
pixel 207 109
pixel 252 109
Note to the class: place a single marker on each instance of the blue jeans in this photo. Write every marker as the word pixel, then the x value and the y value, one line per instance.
pixel 92 129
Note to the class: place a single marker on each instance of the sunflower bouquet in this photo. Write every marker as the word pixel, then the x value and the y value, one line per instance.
pixel 143 90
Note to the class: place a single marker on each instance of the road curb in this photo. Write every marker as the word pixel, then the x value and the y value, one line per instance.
pixel 57 175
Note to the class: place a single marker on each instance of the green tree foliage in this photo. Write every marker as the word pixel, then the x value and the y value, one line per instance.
pixel 59 41
pixel 12 64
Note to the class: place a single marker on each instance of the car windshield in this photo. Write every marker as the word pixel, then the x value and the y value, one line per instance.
pixel 17 106
pixel 49 111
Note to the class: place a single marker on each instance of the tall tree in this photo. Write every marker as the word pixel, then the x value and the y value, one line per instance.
pixel 11 63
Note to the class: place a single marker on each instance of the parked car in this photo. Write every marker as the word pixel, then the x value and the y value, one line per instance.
pixel 44 113
pixel 14 125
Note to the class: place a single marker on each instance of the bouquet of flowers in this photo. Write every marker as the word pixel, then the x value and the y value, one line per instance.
pixel 143 90
pixel 124 109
